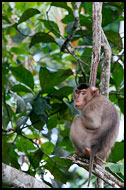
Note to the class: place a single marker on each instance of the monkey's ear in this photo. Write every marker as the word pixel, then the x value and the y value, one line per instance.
pixel 95 91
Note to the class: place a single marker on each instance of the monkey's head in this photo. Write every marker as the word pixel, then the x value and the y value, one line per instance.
pixel 83 93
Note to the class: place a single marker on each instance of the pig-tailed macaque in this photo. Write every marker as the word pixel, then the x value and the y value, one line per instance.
pixel 94 132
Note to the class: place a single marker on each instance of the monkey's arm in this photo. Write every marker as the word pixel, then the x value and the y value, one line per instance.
pixel 92 120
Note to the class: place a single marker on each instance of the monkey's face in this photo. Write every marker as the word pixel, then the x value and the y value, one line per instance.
pixel 80 98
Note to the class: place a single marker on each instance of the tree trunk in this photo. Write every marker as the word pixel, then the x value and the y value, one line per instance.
pixel 97 20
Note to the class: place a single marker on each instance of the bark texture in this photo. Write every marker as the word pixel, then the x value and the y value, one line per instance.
pixel 19 179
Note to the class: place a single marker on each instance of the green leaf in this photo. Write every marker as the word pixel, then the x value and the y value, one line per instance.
pixel 47 25
pixel 122 169
pixel 121 104
pixel 28 14
pixel 115 168
pixel 115 38
pixel 48 147
pixel 23 75
pixel 69 27
pixel 56 171
pixel 62 161
pixel 112 15
pixel 18 50
pixel 20 88
pixel 21 120
pixel 66 144
pixel 41 37
pixel 52 78
pixel 52 122
pixel 117 152
pixel 37 122
pixel 40 106
pixel 24 145
pixel 67 19
pixel 62 92
pixel 60 42
pixel 5 117
pixel 8 153
pixel 118 75
pixel 21 106
pixel 86 21
pixel 35 158
pixel 88 8
pixel 63 5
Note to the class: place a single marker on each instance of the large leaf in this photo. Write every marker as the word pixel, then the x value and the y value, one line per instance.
pixel 5 117
pixel 67 19
pixel 40 106
pixel 49 79
pixel 52 122
pixel 48 147
pixel 62 92
pixel 8 153
pixel 28 14
pixel 21 105
pixel 108 15
pixel 37 122
pixel 56 170
pixel 117 152
pixel 86 21
pixel 49 27
pixel 24 145
pixel 41 37
pixel 118 75
pixel 18 50
pixel 115 168
pixel 121 104
pixel 20 88
pixel 115 38
pixel 35 157
pixel 63 5
pixel 23 75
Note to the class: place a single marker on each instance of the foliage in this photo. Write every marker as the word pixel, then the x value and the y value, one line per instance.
pixel 37 105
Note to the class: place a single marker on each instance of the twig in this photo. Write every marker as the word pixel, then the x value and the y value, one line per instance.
pixel 74 28
pixel 82 47
pixel 43 151
pixel 67 47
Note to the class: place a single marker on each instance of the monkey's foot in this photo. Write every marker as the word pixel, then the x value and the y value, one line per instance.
pixel 87 151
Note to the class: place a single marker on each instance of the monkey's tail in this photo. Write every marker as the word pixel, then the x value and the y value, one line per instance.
pixel 90 166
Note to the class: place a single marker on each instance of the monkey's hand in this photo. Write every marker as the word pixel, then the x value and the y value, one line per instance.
pixel 87 151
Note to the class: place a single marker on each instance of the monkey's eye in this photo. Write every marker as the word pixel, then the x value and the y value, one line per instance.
pixel 83 93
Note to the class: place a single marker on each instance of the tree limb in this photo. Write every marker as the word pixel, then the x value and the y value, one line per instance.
pixel 97 19
pixel 19 179
pixel 105 67
pixel 97 170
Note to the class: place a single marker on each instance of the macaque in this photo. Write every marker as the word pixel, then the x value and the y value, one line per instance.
pixel 94 132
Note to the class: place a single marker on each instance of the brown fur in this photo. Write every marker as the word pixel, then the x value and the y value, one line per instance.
pixel 96 128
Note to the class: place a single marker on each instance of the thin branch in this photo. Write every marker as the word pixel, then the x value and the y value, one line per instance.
pixel 82 47
pixel 74 28
pixel 97 170
pixel 67 47
pixel 43 151
pixel 75 56
pixel 117 93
